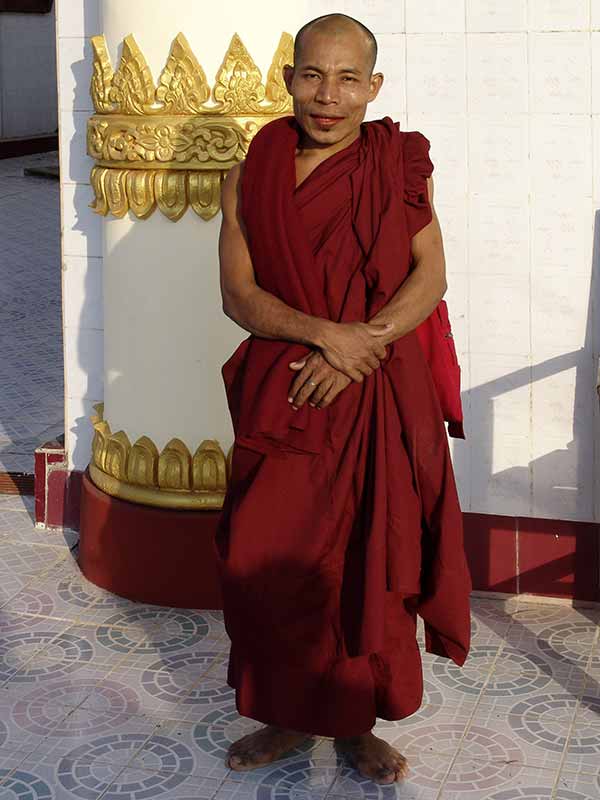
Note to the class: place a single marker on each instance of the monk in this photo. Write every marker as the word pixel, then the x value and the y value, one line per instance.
pixel 341 522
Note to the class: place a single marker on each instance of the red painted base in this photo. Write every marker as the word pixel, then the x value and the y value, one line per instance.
pixel 148 554
pixel 166 557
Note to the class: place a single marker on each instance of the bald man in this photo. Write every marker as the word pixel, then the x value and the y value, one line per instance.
pixel 341 522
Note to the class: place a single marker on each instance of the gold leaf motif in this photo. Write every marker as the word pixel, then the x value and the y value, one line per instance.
pixel 209 471
pixel 102 76
pixel 239 88
pixel 139 189
pixel 101 436
pixel 142 131
pixel 278 98
pixel 182 86
pixel 132 86
pixel 116 194
pixel 204 193
pixel 117 450
pixel 171 195
pixel 100 203
pixel 142 464
pixel 139 474
pixel 174 466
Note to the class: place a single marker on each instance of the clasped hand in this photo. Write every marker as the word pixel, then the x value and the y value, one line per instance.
pixel 350 351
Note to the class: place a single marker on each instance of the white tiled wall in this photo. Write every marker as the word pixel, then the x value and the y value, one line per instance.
pixel 77 21
pixel 509 95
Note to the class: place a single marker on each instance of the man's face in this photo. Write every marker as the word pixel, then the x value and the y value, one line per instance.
pixel 331 85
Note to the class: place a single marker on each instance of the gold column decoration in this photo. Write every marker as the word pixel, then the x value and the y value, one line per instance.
pixel 170 146
pixel 172 478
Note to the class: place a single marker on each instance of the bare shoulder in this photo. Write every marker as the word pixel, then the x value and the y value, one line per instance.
pixel 231 192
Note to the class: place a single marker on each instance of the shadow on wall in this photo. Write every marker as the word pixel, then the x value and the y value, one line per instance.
pixel 557 478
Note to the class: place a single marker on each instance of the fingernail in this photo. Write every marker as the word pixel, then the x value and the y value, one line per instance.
pixel 312 405
pixel 295 408
pixel 290 399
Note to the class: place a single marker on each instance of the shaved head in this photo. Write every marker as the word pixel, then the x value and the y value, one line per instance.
pixel 336 24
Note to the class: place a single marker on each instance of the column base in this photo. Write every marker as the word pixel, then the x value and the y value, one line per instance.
pixel 151 555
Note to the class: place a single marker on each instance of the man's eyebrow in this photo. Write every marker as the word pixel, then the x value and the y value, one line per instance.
pixel 353 70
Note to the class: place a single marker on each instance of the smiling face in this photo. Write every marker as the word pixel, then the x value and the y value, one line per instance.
pixel 331 84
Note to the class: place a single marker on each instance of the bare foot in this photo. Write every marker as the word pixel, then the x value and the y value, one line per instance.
pixel 263 746
pixel 374 758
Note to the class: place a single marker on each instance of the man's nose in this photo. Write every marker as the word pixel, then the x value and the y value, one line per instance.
pixel 327 92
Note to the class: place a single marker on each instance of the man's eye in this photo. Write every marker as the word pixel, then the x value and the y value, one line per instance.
pixel 311 75
pixel 349 78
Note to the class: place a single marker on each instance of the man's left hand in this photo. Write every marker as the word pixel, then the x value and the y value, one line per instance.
pixel 317 381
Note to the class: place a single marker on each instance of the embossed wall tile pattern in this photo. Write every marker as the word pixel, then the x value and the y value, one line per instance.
pixel 489 16
pixel 508 109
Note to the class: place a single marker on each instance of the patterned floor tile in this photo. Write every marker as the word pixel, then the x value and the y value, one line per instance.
pixel 583 749
pixel 31 372
pixel 67 688
pixel 466 683
pixel 109 645
pixel 519 676
pixel 569 641
pixel 65 780
pixel 177 633
pixel 19 647
pixel 424 781
pixel 60 599
pixel 534 731
pixel 485 780
pixel 578 786
pixel 20 527
pixel 27 560
pixel 95 736
pixel 133 783
pixel 207 742
pixel 437 737
pixel 309 776
pixel 17 502
pixel 166 685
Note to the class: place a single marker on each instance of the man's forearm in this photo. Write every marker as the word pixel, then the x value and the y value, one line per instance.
pixel 414 301
pixel 264 315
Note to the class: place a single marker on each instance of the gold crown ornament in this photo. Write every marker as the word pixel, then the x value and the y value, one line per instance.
pixel 170 146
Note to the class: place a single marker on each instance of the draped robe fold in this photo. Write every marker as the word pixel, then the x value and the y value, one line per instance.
pixel 339 525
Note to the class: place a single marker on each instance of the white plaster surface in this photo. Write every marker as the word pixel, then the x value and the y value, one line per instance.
pixel 509 96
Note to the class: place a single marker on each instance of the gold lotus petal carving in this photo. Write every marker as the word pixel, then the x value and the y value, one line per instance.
pixel 171 195
pixel 141 191
pixel 171 478
pixel 204 193
pixel 141 131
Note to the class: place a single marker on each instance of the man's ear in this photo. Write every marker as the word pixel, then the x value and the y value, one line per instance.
pixel 375 85
pixel 288 77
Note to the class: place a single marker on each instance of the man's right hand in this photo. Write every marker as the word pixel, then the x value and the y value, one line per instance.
pixel 354 348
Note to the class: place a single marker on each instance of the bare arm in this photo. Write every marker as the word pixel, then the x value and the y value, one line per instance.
pixel 424 287
pixel 259 312
pixel 353 348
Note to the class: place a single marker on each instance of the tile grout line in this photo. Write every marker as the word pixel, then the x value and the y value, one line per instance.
pixel 469 723
pixel 573 721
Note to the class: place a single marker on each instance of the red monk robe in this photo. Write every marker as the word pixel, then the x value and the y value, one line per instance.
pixel 341 524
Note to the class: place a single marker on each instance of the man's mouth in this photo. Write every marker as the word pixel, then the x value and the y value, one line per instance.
pixel 326 122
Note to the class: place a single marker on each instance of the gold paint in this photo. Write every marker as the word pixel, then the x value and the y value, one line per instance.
pixel 132 88
pixel 209 469
pixel 204 193
pixel 171 196
pixel 171 478
pixel 182 131
pixel 182 87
